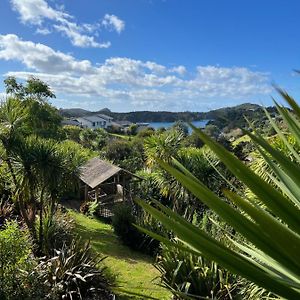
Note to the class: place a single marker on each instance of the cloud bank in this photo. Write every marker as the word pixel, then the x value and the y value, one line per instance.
pixel 124 80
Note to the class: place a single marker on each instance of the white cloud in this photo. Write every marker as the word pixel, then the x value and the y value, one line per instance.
pixel 72 31
pixel 35 11
pixel 134 82
pixel 41 58
pixel 113 22
pixel 43 31
pixel 181 70
pixel 38 12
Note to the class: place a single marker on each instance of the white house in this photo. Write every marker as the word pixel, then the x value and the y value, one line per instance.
pixel 107 118
pixel 95 121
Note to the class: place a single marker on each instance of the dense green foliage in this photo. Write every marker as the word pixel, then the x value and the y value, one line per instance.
pixel 74 273
pixel 39 167
pixel 126 154
pixel 248 249
pixel 268 256
pixel 190 275
pixel 123 223
pixel 15 259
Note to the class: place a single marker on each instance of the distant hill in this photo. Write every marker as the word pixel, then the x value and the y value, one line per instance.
pixel 222 117
pixel 237 116
pixel 136 116
pixel 73 112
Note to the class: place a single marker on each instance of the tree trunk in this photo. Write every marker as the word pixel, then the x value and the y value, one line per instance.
pixel 30 221
pixel 41 231
pixel 11 170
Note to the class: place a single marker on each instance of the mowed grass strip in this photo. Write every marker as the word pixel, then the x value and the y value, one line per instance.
pixel 136 276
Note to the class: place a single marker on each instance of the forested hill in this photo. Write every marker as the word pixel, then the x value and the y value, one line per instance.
pixel 227 113
pixel 137 116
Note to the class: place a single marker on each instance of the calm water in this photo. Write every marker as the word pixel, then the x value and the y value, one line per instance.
pixel 156 125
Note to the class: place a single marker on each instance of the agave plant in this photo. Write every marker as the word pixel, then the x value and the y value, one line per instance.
pixel 269 257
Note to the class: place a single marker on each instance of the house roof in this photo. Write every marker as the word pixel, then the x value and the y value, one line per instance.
pixel 123 123
pixel 105 117
pixel 95 171
pixel 92 118
pixel 70 122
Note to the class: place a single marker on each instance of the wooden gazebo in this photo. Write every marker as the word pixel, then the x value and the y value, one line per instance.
pixel 106 183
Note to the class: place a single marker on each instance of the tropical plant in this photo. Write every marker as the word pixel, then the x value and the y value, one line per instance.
pixel 43 170
pixel 269 257
pixel 167 146
pixel 75 273
pixel 58 230
pixel 12 117
pixel 190 276
pixel 162 146
pixel 249 290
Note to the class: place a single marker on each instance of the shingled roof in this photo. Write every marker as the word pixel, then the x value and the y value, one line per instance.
pixel 95 171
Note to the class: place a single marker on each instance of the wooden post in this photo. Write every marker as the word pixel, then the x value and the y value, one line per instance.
pixel 123 187
pixel 97 192
pixel 86 192
pixel 78 189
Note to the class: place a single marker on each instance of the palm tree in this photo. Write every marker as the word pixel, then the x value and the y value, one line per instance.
pixel 40 168
pixel 167 146
pixel 43 168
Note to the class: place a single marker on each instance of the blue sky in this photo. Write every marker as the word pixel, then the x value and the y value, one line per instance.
pixel 172 55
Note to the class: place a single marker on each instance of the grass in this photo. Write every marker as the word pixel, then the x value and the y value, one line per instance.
pixel 135 272
pixel 121 136
pixel 244 138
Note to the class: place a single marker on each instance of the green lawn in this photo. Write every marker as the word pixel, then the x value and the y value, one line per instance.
pixel 135 272
pixel 121 136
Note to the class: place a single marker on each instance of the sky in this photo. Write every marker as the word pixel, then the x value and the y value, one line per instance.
pixel 132 55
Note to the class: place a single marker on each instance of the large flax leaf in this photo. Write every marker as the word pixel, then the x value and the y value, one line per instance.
pixel 270 255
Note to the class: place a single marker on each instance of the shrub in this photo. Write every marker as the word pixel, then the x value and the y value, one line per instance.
pixel 72 132
pixel 57 231
pixel 249 290
pixel 93 207
pixel 74 273
pixel 126 154
pixel 144 133
pixel 188 275
pixel 15 258
pixel 123 223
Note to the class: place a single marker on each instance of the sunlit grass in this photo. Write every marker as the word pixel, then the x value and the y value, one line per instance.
pixel 121 136
pixel 135 272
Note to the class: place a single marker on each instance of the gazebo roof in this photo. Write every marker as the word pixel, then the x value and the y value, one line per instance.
pixel 96 171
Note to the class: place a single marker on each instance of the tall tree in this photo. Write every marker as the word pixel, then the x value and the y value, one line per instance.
pixel 42 118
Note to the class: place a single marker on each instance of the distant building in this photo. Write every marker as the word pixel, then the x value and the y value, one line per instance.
pixel 105 117
pixel 95 121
